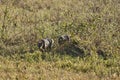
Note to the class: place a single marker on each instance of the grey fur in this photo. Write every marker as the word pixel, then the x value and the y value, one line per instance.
pixel 62 39
pixel 45 44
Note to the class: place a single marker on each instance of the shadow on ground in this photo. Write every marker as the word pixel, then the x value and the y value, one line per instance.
pixel 70 49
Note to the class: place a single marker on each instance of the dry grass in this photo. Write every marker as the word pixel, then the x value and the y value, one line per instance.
pixel 94 27
pixel 66 69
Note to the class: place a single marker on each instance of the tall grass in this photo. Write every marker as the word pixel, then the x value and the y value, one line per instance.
pixel 94 27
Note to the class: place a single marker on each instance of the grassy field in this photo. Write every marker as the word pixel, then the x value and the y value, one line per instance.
pixel 94 29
